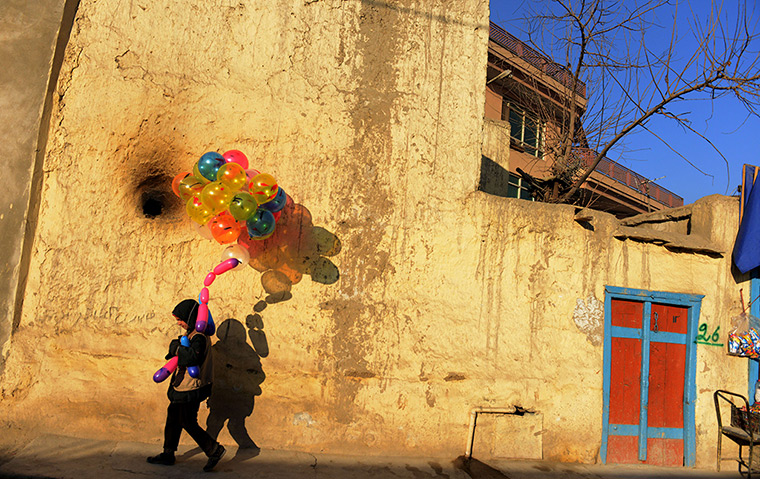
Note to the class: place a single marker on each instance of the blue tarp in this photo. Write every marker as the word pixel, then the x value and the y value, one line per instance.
pixel 747 246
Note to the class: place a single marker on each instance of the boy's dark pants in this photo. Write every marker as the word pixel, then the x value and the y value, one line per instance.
pixel 185 416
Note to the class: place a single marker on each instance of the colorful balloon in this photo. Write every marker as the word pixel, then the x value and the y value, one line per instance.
pixel 277 203
pixel 236 156
pixel 198 174
pixel 251 173
pixel 260 224
pixel 224 228
pixel 175 183
pixel 263 187
pixel 210 327
pixel 238 252
pixel 166 370
pixel 209 279
pixel 225 266
pixel 216 196
pixel 198 211
pixel 193 371
pixel 202 319
pixel 209 165
pixel 232 175
pixel 242 206
pixel 188 186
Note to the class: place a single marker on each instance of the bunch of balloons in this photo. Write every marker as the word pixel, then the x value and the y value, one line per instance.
pixel 227 199
pixel 204 322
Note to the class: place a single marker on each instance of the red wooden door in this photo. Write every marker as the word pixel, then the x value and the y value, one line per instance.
pixel 645 422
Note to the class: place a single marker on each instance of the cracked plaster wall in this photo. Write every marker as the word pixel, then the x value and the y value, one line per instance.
pixel 370 114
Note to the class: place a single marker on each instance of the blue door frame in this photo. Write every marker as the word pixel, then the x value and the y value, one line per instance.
pixel 754 310
pixel 693 303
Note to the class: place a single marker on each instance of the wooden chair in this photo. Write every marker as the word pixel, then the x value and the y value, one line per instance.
pixel 744 430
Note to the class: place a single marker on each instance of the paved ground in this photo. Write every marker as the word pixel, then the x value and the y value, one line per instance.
pixel 62 457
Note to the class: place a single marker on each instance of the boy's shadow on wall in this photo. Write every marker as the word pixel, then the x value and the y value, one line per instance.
pixel 237 380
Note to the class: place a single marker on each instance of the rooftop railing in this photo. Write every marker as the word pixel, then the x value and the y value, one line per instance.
pixel 630 178
pixel 530 55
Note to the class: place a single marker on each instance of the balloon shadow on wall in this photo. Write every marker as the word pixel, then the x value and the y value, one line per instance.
pixel 238 376
pixel 296 249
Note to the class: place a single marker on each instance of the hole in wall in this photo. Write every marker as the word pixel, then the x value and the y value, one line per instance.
pixel 152 205
pixel 154 196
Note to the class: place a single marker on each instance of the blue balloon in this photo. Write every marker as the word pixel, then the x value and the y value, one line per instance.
pixel 193 371
pixel 184 341
pixel 277 203
pixel 260 224
pixel 209 165
pixel 210 327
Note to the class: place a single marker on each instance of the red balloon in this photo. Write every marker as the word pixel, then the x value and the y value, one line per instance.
pixel 236 156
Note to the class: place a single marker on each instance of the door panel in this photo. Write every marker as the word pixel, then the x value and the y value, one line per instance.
pixel 623 450
pixel 666 380
pixel 627 314
pixel 665 452
pixel 625 388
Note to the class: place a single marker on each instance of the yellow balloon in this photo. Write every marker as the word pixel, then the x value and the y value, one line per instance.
pixel 232 175
pixel 189 187
pixel 263 187
pixel 198 175
pixel 217 196
pixel 197 211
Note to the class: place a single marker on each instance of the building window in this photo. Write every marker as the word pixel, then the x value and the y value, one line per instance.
pixel 526 130
pixel 517 188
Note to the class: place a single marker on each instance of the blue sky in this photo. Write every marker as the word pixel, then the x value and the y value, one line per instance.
pixel 724 121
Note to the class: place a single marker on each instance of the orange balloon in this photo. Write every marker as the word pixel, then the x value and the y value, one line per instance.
pixel 224 228
pixel 176 180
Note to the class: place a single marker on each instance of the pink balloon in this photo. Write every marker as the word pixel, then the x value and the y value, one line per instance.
pixel 166 370
pixel 236 156
pixel 200 323
pixel 225 266
pixel 204 295
pixel 209 279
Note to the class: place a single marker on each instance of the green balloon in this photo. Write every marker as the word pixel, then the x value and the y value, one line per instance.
pixel 242 206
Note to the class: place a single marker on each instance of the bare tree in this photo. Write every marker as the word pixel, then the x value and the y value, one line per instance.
pixel 608 46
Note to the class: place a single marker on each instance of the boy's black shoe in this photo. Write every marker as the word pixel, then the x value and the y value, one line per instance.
pixel 165 459
pixel 214 458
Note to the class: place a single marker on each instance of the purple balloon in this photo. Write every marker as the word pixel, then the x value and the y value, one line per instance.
pixel 193 371
pixel 161 375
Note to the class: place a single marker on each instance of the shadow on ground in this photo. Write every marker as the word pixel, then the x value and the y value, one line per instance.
pixel 61 457
pixel 545 470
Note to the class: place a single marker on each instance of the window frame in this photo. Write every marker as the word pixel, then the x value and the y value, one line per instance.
pixel 516 181
pixel 524 116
